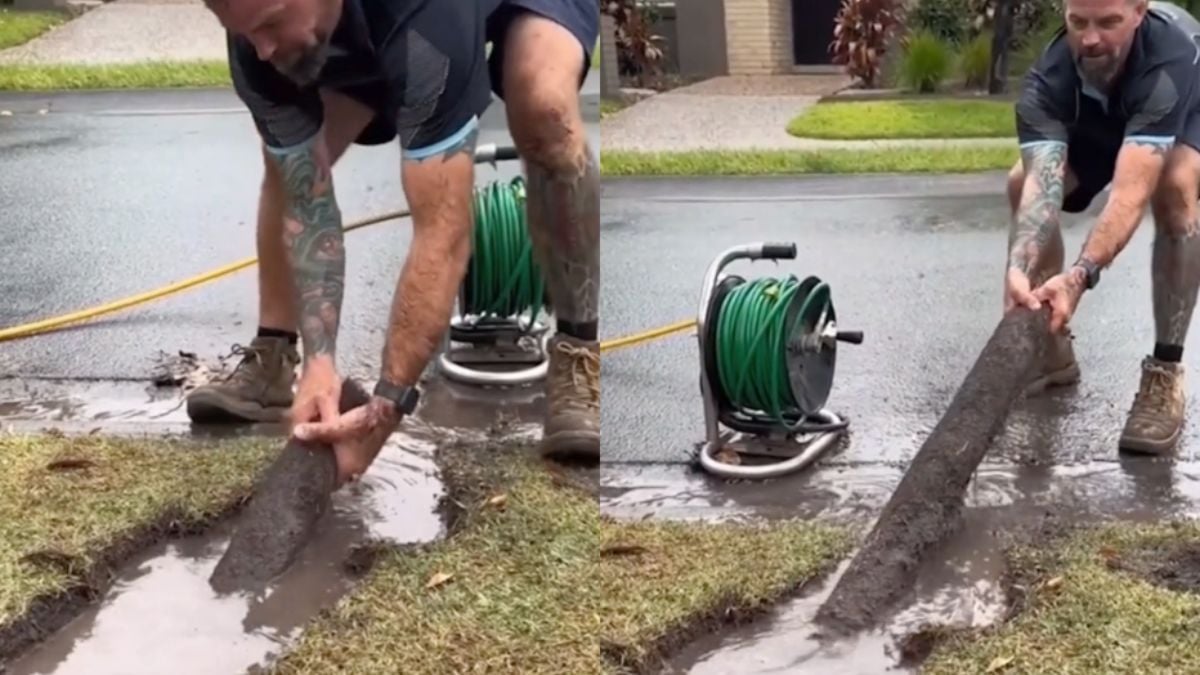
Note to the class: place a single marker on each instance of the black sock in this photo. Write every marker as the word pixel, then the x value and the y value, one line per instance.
pixel 1168 353
pixel 581 331
pixel 293 338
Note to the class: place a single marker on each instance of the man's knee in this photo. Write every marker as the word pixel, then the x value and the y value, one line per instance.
pixel 1174 200
pixel 542 65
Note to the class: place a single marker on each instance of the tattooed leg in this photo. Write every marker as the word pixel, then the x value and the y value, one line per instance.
pixel 313 236
pixel 1176 252
pixel 541 78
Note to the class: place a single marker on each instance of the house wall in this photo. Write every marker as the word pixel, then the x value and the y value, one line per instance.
pixel 759 36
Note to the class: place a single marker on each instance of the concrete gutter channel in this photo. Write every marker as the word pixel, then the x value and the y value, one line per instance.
pixel 160 612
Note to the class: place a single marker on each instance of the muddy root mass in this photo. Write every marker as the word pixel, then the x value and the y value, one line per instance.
pixel 927 504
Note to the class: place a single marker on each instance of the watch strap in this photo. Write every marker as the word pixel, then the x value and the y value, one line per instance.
pixel 404 397
pixel 1091 271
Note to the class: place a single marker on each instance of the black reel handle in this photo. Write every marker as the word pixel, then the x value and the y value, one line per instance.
pixel 854 337
pixel 777 251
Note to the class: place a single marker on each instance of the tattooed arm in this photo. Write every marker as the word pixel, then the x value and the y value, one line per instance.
pixel 1160 101
pixel 439 192
pixel 313 236
pixel 1038 216
pixel 1139 166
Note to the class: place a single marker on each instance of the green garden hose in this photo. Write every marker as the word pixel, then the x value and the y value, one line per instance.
pixel 751 344
pixel 503 280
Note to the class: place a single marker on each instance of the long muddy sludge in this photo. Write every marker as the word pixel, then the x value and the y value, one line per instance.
pixel 161 615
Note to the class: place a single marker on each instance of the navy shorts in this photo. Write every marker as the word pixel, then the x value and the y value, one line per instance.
pixel 580 17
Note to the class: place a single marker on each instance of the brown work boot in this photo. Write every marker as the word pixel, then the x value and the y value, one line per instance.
pixel 1156 418
pixel 258 390
pixel 1059 367
pixel 573 400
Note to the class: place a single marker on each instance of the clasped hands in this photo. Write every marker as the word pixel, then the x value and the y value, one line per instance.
pixel 1061 292
pixel 356 436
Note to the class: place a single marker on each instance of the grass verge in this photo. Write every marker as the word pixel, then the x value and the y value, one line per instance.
pixel 782 162
pixel 17 28
pixel 1084 607
pixel 861 120
pixel 533 580
pixel 72 509
pixel 610 107
pixel 147 75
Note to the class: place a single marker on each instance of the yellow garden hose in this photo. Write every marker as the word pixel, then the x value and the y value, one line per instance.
pixel 61 321
pixel 54 323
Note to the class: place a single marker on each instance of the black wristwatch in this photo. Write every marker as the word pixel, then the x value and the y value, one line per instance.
pixel 403 397
pixel 1091 271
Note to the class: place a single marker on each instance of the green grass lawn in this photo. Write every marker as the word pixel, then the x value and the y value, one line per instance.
pixel 17 28
pixel 534 581
pixel 21 77
pixel 759 163
pixel 69 507
pixel 860 120
pixel 1090 610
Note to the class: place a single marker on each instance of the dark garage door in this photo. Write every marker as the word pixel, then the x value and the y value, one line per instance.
pixel 812 30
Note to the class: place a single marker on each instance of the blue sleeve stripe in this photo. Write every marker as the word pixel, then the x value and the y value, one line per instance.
pixel 1038 144
pixel 446 143
pixel 1162 140
pixel 302 146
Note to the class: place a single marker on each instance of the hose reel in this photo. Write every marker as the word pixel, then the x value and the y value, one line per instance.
pixel 499 334
pixel 768 349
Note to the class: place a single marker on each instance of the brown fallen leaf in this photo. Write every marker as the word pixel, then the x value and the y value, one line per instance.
pixel 69 464
pixel 728 456
pixel 438 579
pixel 622 549
pixel 499 501
pixel 998 663
pixel 1054 583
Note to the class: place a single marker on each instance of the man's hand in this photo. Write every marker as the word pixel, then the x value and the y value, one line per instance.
pixel 1017 291
pixel 356 437
pixel 1062 293
pixel 317 393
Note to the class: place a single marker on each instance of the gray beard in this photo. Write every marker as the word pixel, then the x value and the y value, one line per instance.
pixel 307 69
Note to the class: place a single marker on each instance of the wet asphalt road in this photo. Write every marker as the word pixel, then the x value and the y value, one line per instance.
pixel 106 195
pixel 915 263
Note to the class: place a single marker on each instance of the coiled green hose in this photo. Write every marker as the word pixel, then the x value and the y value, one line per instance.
pixel 751 343
pixel 503 280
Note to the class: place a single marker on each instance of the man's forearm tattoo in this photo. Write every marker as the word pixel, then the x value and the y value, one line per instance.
pixel 1037 218
pixel 564 225
pixel 313 235
pixel 1176 278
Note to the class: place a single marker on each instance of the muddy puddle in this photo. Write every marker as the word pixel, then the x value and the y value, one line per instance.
pixel 160 615
pixel 959 587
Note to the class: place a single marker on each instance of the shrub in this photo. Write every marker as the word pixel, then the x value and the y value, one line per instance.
pixel 975 61
pixel 861 33
pixel 1021 60
pixel 927 62
pixel 639 53
pixel 949 20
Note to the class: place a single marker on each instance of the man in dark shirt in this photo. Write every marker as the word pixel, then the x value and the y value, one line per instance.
pixel 1112 99
pixel 319 75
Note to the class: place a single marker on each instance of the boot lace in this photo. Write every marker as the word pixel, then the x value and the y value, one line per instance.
pixel 1154 397
pixel 251 356
pixel 584 373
